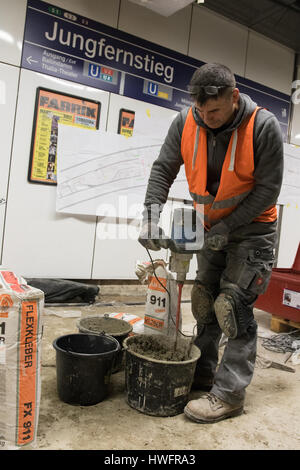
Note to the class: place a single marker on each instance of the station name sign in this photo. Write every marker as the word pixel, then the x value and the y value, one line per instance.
pixel 107 50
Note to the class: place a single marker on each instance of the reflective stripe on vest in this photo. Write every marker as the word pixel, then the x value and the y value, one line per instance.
pixel 237 176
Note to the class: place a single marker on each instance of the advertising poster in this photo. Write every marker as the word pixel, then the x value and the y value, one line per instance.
pixel 126 122
pixel 51 108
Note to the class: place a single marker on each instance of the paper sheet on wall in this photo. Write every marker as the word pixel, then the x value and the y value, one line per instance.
pixel 290 191
pixel 106 174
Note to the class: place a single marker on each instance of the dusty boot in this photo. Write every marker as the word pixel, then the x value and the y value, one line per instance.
pixel 210 409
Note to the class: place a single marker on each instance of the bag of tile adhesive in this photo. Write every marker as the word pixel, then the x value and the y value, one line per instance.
pixel 21 308
pixel 160 313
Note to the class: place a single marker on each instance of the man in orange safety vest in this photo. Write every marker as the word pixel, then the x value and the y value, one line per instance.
pixel 232 151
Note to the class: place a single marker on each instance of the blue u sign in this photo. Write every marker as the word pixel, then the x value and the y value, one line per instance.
pixel 94 71
pixel 152 88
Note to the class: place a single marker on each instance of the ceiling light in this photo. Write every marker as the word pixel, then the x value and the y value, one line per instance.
pixel 165 7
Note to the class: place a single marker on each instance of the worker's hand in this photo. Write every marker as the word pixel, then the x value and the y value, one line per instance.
pixel 217 237
pixel 152 237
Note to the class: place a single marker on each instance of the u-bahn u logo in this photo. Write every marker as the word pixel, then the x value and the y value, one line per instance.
pixel 152 88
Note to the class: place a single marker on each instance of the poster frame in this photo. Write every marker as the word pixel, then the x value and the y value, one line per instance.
pixel 129 111
pixel 35 124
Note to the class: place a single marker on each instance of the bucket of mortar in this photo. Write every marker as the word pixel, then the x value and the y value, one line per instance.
pixel 84 366
pixel 156 386
pixel 118 329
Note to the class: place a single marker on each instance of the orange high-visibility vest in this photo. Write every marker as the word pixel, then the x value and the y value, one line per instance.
pixel 237 176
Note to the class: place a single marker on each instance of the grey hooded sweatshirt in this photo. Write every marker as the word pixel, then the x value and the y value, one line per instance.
pixel 268 162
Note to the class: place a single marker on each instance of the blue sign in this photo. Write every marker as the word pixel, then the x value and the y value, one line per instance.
pixel 69 46
pixel 152 88
pixel 101 73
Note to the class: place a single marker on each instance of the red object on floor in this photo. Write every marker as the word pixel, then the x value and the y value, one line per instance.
pixel 272 300
pixel 296 265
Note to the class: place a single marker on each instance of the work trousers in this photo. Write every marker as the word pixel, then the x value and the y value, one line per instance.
pixel 244 269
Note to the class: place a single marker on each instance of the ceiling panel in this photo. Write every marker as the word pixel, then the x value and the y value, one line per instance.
pixel 276 19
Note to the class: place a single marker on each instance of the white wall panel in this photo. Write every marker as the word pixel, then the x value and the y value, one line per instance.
pixel 103 11
pixel 289 236
pixel 115 257
pixel 159 117
pixel 269 63
pixel 295 127
pixel 38 241
pixel 12 22
pixel 9 76
pixel 171 32
pixel 216 39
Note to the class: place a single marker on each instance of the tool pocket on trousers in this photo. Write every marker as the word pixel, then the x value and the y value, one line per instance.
pixel 260 280
pixel 252 273
pixel 262 265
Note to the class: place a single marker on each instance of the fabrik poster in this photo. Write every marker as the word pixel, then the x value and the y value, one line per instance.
pixel 51 108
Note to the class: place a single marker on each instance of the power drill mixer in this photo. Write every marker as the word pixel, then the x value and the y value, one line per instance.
pixel 187 238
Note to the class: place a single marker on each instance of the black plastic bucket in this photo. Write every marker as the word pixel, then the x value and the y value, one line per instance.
pixel 83 367
pixel 115 327
pixel 158 387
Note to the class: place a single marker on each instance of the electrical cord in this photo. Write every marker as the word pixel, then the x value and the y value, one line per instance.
pixel 282 342
pixel 152 262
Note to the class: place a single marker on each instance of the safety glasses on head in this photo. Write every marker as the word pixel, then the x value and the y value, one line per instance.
pixel 208 89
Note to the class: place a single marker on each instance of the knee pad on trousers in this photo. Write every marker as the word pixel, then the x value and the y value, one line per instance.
pixel 202 304
pixel 234 316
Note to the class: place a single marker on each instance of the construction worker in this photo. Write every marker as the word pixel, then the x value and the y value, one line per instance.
pixel 233 156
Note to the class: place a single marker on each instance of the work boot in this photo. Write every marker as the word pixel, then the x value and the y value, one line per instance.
pixel 210 409
pixel 202 383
